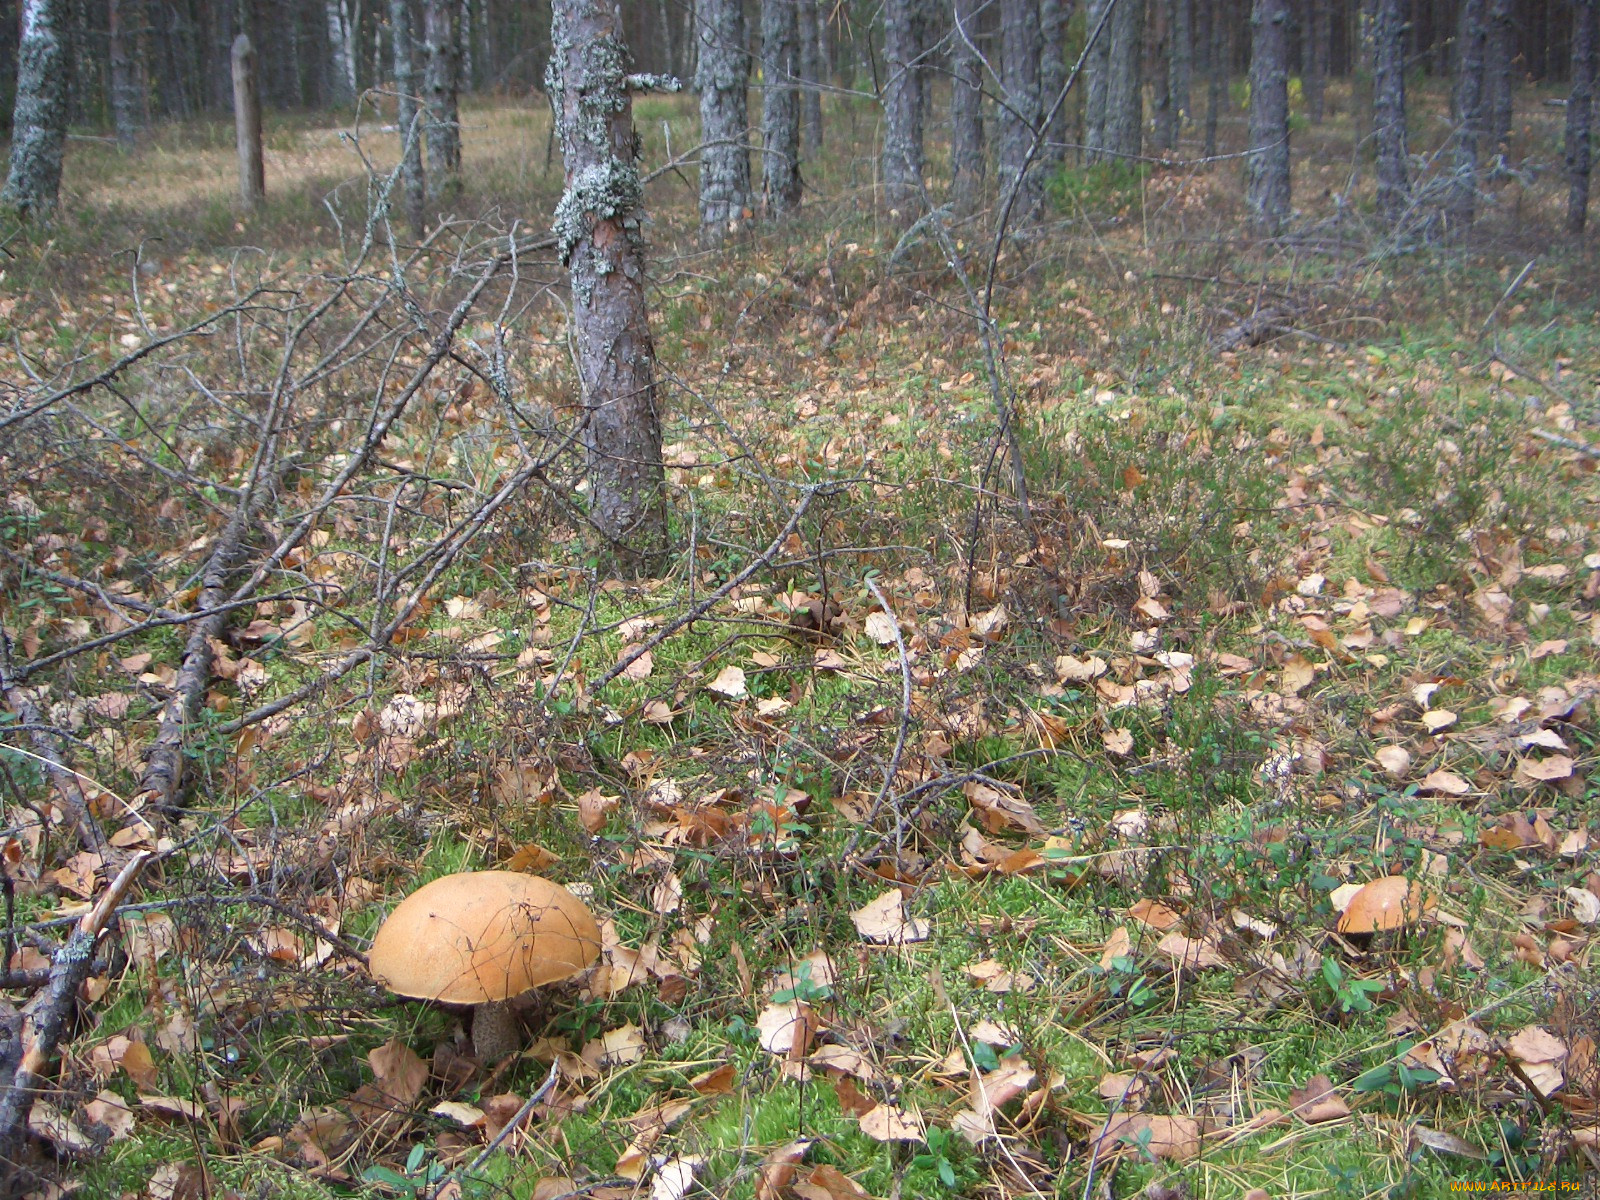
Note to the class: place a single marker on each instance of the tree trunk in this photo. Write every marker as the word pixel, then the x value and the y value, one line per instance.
pixel 1097 69
pixel 247 123
pixel 341 53
pixel 39 117
pixel 1053 17
pixel 599 236
pixel 1019 75
pixel 410 126
pixel 1580 104
pixel 1315 28
pixel 811 73
pixel 1389 108
pixel 902 115
pixel 1182 60
pixel 1461 204
pixel 125 106
pixel 441 85
pixel 1500 52
pixel 780 107
pixel 722 75
pixel 1267 190
pixel 1166 115
pixel 967 150
pixel 1125 82
pixel 1216 73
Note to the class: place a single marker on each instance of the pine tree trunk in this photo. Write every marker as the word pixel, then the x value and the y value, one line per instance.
pixel 39 116
pixel 1019 76
pixel 780 107
pixel 902 118
pixel 967 150
pixel 1315 28
pixel 598 234
pixel 1216 73
pixel 1166 116
pixel 1389 108
pixel 408 114
pixel 1461 204
pixel 1125 82
pixel 1267 191
pixel 1053 17
pixel 812 74
pixel 1182 60
pixel 722 75
pixel 1096 68
pixel 1500 48
pixel 1580 106
pixel 125 107
pixel 441 87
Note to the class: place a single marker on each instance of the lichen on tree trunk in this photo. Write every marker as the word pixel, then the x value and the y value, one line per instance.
pixel 1267 193
pixel 599 235
pixel 967 153
pixel 1580 106
pixel 780 107
pixel 1019 119
pixel 405 84
pixel 902 112
pixel 441 91
pixel 1389 107
pixel 39 117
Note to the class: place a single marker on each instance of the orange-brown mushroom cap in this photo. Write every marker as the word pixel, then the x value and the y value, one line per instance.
pixel 483 936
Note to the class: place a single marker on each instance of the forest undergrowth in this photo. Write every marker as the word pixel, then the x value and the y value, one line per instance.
pixel 966 814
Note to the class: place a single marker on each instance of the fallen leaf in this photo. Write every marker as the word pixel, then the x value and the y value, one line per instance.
pixel 880 627
pixel 639 669
pixel 1118 945
pixel 1176 1139
pixel 1118 741
pixel 1196 954
pixel 674 1177
pixel 884 921
pixel 1154 914
pixel 1445 783
pixel 779 1168
pixel 1436 719
pixel 729 683
pixel 110 1110
pixel 889 1123
pixel 1533 771
pixel 1317 1102
pixel 1395 760
pixel 1001 810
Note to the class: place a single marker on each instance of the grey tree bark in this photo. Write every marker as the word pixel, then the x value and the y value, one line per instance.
pixel 39 115
pixel 1096 69
pixel 1216 73
pixel 968 153
pixel 407 113
pixel 1053 17
pixel 1166 113
pixel 1468 106
pixel 247 123
pixel 1389 108
pixel 811 73
pixel 1500 71
pixel 1267 187
pixel 441 90
pixel 1580 106
pixel 1124 137
pixel 600 239
pixel 125 102
pixel 902 109
pixel 1181 64
pixel 780 107
pixel 1314 29
pixel 1019 118
pixel 341 52
pixel 722 76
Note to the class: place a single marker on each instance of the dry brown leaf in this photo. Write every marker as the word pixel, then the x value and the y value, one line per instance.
pixel 890 1123
pixel 827 1182
pixel 779 1168
pixel 1118 742
pixel 1118 945
pixel 595 809
pixel 1195 954
pixel 1000 810
pixel 1445 783
pixel 1534 771
pixel 1154 914
pixel 639 669
pixel 1317 1102
pixel 884 921
pixel 1176 1139
pixel 729 683
pixel 1395 760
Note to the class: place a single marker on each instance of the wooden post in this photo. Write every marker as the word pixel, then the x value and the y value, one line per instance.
pixel 247 123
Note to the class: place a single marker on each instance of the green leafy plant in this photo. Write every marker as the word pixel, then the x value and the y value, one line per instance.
pixel 1353 994
pixel 937 1156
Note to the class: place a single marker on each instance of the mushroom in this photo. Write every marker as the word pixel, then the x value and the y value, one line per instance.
pixel 480 939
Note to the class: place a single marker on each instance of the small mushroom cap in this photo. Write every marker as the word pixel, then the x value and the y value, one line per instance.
pixel 482 937
pixel 1386 904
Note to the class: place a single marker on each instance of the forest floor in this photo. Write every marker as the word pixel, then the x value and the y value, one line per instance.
pixel 958 846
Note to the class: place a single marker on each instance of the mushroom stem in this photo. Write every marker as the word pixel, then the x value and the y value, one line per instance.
pixel 494 1032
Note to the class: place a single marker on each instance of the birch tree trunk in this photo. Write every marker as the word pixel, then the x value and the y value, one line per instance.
pixel 341 52
pixel 1461 204
pixel 1267 189
pixel 408 115
pixel 247 123
pixel 1389 108
pixel 780 107
pixel 599 236
pixel 1125 82
pixel 902 115
pixel 125 106
pixel 811 73
pixel 722 76
pixel 967 150
pixel 1580 106
pixel 39 115
pixel 441 88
